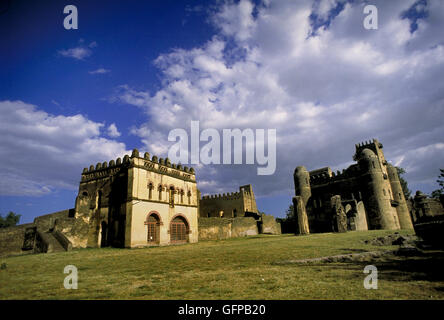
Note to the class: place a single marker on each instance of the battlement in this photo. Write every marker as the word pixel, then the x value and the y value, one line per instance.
pixel 127 160
pixel 326 175
pixel 224 196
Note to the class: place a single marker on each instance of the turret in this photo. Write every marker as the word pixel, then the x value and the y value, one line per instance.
pixel 405 220
pixel 381 214
pixel 302 183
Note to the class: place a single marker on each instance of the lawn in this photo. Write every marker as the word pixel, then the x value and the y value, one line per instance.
pixel 239 268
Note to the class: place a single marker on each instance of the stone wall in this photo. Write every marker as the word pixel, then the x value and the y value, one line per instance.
pixel 270 225
pixel 224 228
pixel 11 240
pixel 47 221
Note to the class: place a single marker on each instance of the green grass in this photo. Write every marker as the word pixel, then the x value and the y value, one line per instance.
pixel 239 268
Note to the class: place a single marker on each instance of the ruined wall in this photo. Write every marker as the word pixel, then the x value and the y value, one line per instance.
pixel 214 228
pixel 12 238
pixel 223 228
pixel 270 225
pixel 47 221
pixel 229 205
pixel 224 206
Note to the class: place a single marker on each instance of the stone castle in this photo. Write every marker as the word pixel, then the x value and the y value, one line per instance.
pixel 136 202
pixel 149 201
pixel 230 205
pixel 367 195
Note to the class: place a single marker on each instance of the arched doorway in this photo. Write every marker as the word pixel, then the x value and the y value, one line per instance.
pixel 153 228
pixel 179 230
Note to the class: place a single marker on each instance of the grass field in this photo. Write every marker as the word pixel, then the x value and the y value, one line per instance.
pixel 239 268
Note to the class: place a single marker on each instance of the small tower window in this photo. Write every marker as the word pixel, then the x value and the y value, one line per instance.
pixel 171 194
pixel 150 191
pixel 189 197
pixel 160 192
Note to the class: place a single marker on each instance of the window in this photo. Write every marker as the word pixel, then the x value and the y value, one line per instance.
pixel 179 230
pixel 150 191
pixel 189 197
pixel 171 194
pixel 160 192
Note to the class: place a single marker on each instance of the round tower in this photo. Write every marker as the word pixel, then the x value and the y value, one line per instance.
pixel 302 183
pixel 381 214
pixel 405 220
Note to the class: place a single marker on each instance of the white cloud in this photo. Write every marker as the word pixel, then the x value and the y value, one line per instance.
pixel 78 53
pixel 323 93
pixel 41 152
pixel 112 131
pixel 99 71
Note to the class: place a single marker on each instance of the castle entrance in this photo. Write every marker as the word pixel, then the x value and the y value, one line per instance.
pixel 153 226
pixel 179 230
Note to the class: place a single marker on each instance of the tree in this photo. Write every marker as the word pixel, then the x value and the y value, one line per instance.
pixel 405 189
pixel 290 213
pixel 11 219
pixel 439 192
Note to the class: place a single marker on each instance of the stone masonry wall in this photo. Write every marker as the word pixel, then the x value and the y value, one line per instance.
pixel 224 228
pixel 11 240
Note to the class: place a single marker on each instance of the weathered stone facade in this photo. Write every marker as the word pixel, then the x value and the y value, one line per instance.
pixel 229 205
pixel 137 202
pixel 366 195
pixel 234 206
pixel 422 207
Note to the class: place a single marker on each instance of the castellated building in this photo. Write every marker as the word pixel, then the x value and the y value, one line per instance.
pixel 138 202
pixel 229 205
pixel 365 196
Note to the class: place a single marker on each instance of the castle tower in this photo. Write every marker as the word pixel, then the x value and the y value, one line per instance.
pixel 248 198
pixel 302 183
pixel 405 220
pixel 377 188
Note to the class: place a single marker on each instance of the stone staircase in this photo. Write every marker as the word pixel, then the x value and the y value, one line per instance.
pixel 51 241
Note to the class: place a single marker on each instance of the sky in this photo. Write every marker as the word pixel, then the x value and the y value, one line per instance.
pixel 135 70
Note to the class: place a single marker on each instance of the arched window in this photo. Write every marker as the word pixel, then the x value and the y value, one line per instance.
pixel 160 191
pixel 181 195
pixel 189 197
pixel 150 191
pixel 171 195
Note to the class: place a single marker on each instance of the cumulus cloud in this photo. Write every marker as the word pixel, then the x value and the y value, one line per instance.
pixel 112 131
pixel 312 71
pixel 41 152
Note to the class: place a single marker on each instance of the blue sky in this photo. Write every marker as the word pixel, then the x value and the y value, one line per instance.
pixel 134 70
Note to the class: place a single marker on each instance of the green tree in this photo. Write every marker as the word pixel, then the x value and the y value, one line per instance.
pixel 11 219
pixel 405 189
pixel 439 192
pixel 290 213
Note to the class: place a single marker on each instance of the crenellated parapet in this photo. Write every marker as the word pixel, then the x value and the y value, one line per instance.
pixel 154 163
pixel 224 196
pixel 373 145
